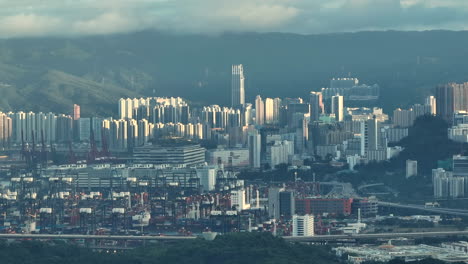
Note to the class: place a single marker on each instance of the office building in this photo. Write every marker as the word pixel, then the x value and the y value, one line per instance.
pixel 273 202
pixel 5 130
pixel 144 132
pixel 325 151
pixel 238 200
pixel 84 129
pixel 354 160
pixel 421 110
pixel 369 136
pixel 280 152
pixel 411 168
pixel 255 149
pixel 364 113
pixel 447 184
pixel 295 114
pixel 450 98
pixel 122 134
pixel 125 108
pixel 277 103
pixel 221 117
pixel 303 225
pixel 259 111
pixel 403 118
pixel 440 182
pixel 76 112
pixel 351 90
pixel 316 106
pixel 281 203
pixel 269 110
pixel 458 133
pixel 248 115
pixel 319 206
pixel 460 117
pixel 96 128
pixel 237 87
pixel 395 134
pixel 19 126
pixel 337 107
pixel 174 154
pixel 155 109
pixel 366 206
pixel 460 166
pixel 457 187
pixel 207 176
pixel 323 134
pixel 64 129
pixel 287 204
pixel 342 83
pixel 132 133
pixel 30 131
pixel 229 158
pixel 432 103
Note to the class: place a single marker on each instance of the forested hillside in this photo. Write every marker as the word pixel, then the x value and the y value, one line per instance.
pixel 96 71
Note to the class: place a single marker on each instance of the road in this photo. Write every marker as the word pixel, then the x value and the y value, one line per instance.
pixel 438 210
pixel 104 237
pixel 319 238
pixel 376 236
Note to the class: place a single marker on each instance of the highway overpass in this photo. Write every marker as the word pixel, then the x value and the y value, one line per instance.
pixel 95 237
pixel 331 238
pixel 438 210
pixel 318 238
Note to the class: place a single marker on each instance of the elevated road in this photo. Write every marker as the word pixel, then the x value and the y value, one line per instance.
pixel 320 238
pixel 95 237
pixel 438 210
pixel 369 185
pixel 330 238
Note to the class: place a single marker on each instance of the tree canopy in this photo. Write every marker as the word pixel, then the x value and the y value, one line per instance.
pixel 229 249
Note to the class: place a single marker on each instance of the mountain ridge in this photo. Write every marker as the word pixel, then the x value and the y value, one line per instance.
pixel 198 66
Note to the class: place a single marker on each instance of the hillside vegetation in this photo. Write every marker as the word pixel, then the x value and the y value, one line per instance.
pixel 96 71
pixel 230 249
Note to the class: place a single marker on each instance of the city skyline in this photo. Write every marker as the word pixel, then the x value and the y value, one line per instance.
pixel 248 131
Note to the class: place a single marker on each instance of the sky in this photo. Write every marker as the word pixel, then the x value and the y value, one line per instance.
pixel 35 18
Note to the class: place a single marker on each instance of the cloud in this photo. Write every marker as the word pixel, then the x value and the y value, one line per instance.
pixel 29 18
pixel 106 23
pixel 214 16
pixel 28 25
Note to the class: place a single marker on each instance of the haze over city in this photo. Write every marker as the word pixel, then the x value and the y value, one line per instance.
pixel 249 131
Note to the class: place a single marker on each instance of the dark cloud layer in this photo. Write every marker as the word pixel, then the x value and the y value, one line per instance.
pixel 88 17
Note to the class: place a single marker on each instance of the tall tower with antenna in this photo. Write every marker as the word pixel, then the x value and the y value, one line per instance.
pixel 238 86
